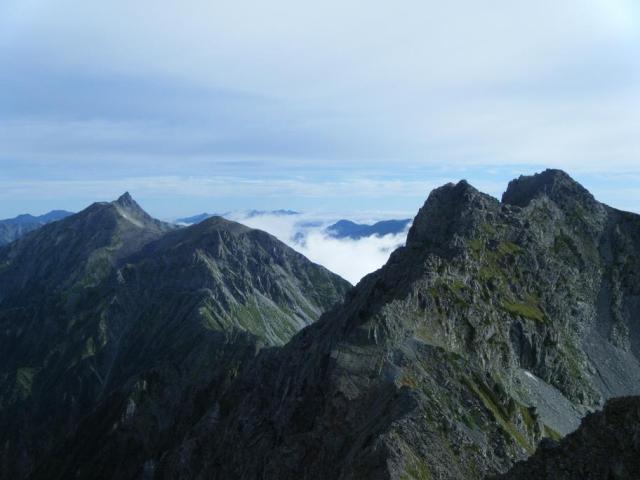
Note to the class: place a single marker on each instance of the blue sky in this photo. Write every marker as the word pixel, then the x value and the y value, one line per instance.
pixel 341 106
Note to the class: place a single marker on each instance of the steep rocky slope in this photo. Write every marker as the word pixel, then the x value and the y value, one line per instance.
pixel 115 328
pixel 606 446
pixel 498 324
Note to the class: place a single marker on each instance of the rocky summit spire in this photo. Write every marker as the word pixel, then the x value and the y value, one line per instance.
pixel 557 185
pixel 126 205
pixel 126 201
pixel 125 198
pixel 446 210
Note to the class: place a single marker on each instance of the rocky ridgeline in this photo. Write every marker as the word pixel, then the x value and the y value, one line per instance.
pixel 499 324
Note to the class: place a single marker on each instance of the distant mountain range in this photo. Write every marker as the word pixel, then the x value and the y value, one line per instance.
pixel 13 228
pixel 341 229
pixel 248 214
pixel 355 231
pixel 197 218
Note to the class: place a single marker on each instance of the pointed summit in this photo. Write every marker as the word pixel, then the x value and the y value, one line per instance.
pixel 113 229
pixel 446 210
pixel 557 185
pixel 126 201
pixel 131 210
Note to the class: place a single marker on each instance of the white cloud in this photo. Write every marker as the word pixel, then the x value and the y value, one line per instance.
pixel 351 259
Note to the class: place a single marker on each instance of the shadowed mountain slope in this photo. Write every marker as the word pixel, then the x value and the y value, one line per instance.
pixel 606 446
pixel 111 310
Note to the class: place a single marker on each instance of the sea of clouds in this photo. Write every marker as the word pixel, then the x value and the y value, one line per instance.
pixel 349 258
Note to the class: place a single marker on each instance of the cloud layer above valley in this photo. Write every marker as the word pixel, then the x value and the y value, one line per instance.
pixel 351 259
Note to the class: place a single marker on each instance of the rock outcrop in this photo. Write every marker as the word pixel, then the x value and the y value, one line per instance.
pixel 606 446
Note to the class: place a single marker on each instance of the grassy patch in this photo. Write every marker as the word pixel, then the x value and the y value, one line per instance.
pixel 89 348
pixel 529 309
pixel 408 380
pixel 489 229
pixel 526 416
pixel 477 244
pixel 508 248
pixel 417 469
pixel 24 381
pixel 552 434
pixel 469 421
pixel 449 290
pixel 499 413
pixel 263 319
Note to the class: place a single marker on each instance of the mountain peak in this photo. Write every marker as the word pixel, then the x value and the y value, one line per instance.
pixel 557 185
pixel 444 209
pixel 126 205
pixel 217 223
pixel 126 200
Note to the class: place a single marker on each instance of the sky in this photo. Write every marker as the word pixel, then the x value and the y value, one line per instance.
pixel 334 106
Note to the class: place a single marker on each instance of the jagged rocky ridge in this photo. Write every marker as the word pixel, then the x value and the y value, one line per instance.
pixel 110 315
pixel 499 324
pixel 606 446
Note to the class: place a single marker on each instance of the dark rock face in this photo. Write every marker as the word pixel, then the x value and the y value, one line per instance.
pixel 555 185
pixel 499 324
pixel 13 228
pixel 606 446
pixel 117 331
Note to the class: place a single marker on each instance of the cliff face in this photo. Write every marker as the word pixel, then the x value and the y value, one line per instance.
pixel 606 446
pixel 498 324
pixel 116 328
